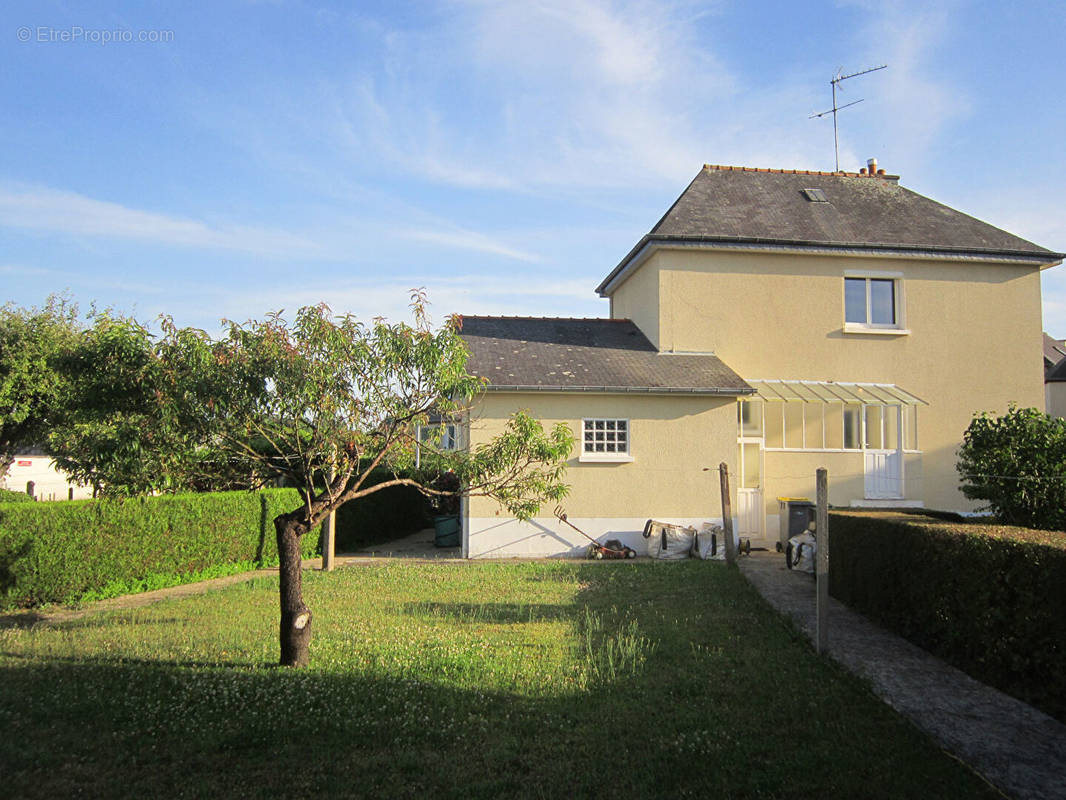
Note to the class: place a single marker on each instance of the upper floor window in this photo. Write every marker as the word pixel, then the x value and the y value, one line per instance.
pixel 873 302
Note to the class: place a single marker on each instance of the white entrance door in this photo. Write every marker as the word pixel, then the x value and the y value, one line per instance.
pixel 884 478
pixel 884 453
pixel 750 510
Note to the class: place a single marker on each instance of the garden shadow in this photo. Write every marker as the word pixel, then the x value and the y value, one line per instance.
pixel 715 709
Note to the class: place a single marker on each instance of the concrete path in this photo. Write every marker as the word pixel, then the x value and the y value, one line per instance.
pixel 1015 747
pixel 416 545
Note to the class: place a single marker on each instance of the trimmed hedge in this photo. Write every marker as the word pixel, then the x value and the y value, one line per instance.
pixel 58 552
pixel 989 599
pixel 10 496
pixel 382 516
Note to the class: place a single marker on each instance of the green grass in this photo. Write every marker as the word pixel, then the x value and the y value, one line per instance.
pixel 456 680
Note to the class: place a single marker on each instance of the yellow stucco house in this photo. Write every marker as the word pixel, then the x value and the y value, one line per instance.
pixel 777 321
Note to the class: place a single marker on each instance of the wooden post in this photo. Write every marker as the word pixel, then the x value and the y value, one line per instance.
pixel 329 527
pixel 328 538
pixel 727 516
pixel 822 561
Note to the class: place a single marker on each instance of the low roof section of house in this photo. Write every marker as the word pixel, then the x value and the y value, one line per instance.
pixel 553 354
pixel 772 208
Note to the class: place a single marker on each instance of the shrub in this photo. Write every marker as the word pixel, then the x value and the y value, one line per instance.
pixel 989 599
pixel 59 552
pixel 10 496
pixel 1017 463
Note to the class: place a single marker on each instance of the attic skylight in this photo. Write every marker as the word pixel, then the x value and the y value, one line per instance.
pixel 815 195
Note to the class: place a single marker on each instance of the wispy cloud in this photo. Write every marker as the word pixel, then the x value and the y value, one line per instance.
pixel 466 294
pixel 916 103
pixel 59 211
pixel 65 212
pixel 469 240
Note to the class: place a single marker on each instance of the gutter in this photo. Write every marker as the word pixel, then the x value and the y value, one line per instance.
pixel 650 241
pixel 737 392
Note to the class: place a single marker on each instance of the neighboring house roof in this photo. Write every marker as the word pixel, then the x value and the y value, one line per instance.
pixel 1056 373
pixel 769 209
pixel 586 355
pixel 1054 352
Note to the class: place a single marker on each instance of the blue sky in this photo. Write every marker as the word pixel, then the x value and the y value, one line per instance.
pixel 253 156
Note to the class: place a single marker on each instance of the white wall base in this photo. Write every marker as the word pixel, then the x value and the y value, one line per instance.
pixel 887 504
pixel 547 537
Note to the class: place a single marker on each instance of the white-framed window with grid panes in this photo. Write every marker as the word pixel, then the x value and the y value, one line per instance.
pixel 605 439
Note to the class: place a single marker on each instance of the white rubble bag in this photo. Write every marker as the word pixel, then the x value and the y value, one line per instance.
pixel 709 542
pixel 668 542
pixel 802 551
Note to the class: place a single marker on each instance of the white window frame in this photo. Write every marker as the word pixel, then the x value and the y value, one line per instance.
pixel 614 457
pixel 777 407
pixel 897 328
pixel 424 435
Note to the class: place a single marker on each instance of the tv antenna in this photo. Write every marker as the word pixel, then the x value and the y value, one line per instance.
pixel 839 78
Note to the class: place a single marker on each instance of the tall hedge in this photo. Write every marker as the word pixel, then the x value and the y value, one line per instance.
pixel 989 599
pixel 56 552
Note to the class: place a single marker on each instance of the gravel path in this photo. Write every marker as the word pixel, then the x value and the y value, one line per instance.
pixel 1018 749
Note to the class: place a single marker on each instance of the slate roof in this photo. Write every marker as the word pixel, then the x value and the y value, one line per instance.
pixel 1056 373
pixel 1054 352
pixel 731 205
pixel 586 355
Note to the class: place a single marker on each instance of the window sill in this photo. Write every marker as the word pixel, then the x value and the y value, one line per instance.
pixel 851 327
pixel 604 458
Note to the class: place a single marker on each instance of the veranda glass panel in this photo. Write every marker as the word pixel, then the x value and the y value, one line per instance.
pixel 874 439
pixel 910 427
pixel 851 426
pixel 834 426
pixel 794 425
pixel 751 466
pixel 775 424
pixel 812 426
pixel 891 427
pixel 750 418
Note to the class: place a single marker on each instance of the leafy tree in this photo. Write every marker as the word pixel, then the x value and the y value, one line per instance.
pixel 117 432
pixel 324 400
pixel 31 387
pixel 1017 463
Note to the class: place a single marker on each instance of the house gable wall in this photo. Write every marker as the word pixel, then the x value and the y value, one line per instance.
pixel 972 331
pixel 637 299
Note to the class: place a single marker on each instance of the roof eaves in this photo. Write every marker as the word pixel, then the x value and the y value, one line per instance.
pixel 730 391
pixel 636 256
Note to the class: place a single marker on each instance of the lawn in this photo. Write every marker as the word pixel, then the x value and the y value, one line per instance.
pixel 561 679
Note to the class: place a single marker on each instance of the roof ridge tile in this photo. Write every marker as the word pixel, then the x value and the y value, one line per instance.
pixel 553 319
pixel 775 171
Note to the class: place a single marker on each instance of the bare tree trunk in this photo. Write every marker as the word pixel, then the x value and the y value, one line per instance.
pixel 295 616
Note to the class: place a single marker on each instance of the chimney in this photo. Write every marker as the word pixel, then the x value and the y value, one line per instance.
pixel 871 164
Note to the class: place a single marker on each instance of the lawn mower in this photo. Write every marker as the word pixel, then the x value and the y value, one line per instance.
pixel 612 548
